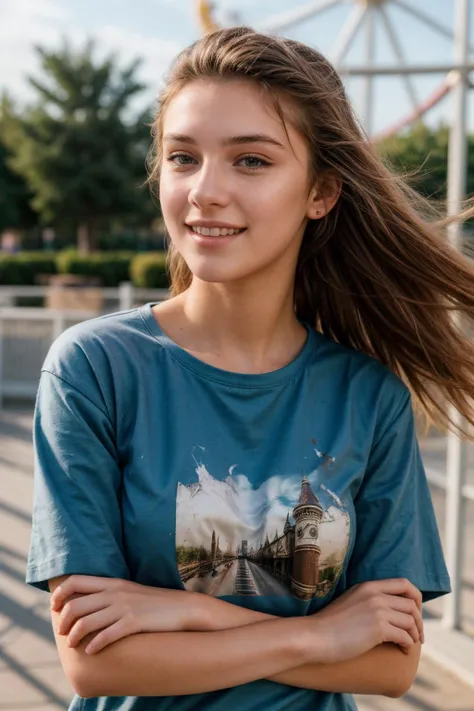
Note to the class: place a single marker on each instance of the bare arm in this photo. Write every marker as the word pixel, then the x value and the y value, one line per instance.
pixel 234 638
pixel 181 663
pixel 384 670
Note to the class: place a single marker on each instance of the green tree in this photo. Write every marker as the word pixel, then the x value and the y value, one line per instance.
pixel 422 152
pixel 77 148
pixel 15 196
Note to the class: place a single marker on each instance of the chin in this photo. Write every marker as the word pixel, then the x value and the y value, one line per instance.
pixel 218 276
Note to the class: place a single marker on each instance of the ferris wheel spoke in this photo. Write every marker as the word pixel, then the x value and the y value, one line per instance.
pixel 397 48
pixel 288 19
pixel 347 34
pixel 365 12
pixel 427 20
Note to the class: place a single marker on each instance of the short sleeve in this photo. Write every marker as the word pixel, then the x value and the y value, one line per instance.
pixel 396 530
pixel 76 526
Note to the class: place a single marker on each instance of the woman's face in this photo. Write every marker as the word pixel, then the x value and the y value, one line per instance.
pixel 229 165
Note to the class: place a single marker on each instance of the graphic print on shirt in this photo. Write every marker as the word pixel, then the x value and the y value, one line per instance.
pixel 289 536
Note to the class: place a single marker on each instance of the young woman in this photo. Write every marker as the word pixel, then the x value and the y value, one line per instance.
pixel 230 505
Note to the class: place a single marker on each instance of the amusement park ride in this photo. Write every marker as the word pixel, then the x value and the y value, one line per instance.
pixel 370 16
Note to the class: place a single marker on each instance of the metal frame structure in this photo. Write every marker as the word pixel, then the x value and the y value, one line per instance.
pixel 367 15
pixel 370 16
pixel 456 81
pixel 457 450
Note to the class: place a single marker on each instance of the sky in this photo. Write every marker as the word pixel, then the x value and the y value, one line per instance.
pixel 156 30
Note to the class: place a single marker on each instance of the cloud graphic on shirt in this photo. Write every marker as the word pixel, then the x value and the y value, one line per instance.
pixel 236 510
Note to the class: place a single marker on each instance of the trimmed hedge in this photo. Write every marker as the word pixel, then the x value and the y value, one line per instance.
pixel 144 270
pixel 22 269
pixel 111 267
pixel 148 271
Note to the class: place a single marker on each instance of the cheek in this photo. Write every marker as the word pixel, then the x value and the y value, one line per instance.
pixel 173 199
pixel 281 205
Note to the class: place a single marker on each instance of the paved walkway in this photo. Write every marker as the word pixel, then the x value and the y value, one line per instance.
pixel 31 678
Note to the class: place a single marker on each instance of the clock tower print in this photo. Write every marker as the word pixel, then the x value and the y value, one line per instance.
pixel 288 536
pixel 307 514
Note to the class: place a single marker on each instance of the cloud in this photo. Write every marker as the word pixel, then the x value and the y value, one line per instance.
pixel 26 23
pixel 156 53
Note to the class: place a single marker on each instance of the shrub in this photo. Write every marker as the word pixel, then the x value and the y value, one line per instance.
pixel 23 269
pixel 148 271
pixel 111 267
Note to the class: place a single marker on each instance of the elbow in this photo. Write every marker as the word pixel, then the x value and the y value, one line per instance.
pixel 85 686
pixel 404 673
pixel 396 692
pixel 399 689
pixel 79 682
pixel 95 679
pixel 85 675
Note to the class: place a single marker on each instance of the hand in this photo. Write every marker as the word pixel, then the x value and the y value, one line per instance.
pixel 119 608
pixel 367 615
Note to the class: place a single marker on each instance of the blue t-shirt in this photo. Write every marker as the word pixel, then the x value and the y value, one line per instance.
pixel 275 491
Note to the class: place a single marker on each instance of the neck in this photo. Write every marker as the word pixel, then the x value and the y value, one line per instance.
pixel 249 326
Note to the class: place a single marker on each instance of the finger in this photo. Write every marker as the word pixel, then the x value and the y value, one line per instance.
pixel 397 586
pixel 113 633
pixel 400 637
pixel 91 623
pixel 83 584
pixel 78 608
pixel 404 622
pixel 409 607
pixel 417 612
pixel 408 590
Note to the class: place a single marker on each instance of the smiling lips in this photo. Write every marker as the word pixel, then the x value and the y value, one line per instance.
pixel 215 231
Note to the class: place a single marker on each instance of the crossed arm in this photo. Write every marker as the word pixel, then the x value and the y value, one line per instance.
pixel 228 646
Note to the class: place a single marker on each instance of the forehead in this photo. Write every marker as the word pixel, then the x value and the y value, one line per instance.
pixel 214 109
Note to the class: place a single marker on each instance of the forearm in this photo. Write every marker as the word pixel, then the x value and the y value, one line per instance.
pixel 223 645
pixel 181 663
pixel 384 670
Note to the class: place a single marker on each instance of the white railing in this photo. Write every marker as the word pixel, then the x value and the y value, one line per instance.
pixel 439 480
pixel 26 333
pixel 126 295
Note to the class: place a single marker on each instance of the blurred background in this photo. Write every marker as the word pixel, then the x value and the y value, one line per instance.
pixel 81 235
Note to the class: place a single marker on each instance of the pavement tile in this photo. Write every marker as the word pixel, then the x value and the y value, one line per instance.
pixel 16 689
pixel 434 690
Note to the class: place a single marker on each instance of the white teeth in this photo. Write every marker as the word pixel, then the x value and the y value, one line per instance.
pixel 215 231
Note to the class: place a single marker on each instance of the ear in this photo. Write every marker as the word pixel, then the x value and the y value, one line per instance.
pixel 323 197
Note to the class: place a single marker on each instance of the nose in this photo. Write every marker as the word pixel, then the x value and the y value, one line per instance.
pixel 208 188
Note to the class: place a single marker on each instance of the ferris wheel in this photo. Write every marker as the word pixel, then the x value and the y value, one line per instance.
pixel 370 17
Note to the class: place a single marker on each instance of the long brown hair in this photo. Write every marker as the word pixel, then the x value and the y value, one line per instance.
pixel 378 273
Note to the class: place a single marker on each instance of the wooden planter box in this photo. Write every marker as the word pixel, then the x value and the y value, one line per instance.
pixel 68 291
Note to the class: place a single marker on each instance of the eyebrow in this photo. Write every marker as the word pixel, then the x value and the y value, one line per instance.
pixel 231 141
